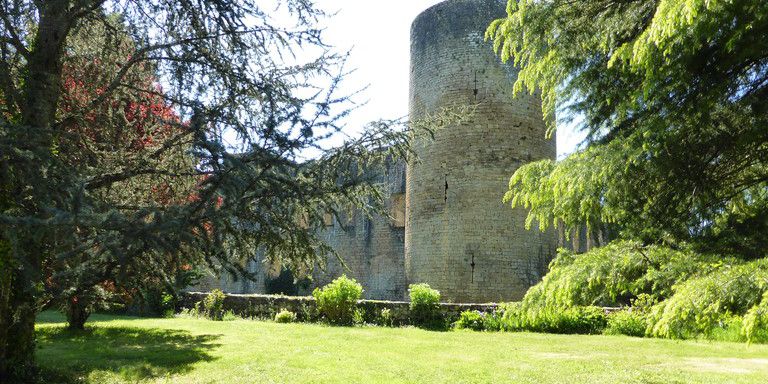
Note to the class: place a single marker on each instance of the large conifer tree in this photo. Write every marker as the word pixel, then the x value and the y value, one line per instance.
pixel 253 102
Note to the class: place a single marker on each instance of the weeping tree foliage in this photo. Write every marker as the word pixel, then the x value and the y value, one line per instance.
pixel 617 274
pixel 241 148
pixel 673 96
pixel 674 293
pixel 706 302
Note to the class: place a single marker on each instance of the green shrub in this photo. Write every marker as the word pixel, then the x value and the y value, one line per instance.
pixel 285 316
pixel 358 318
pixel 473 320
pixel 425 305
pixel 513 317
pixel 168 305
pixel 308 312
pixel 626 322
pixel 728 328
pixel 189 313
pixel 701 304
pixel 229 316
pixel 493 321
pixel 643 304
pixel 337 301
pixel 615 274
pixel 198 311
pixel 213 305
pixel 574 320
pixel 385 318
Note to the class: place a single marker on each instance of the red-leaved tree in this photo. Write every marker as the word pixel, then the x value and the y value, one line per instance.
pixel 117 125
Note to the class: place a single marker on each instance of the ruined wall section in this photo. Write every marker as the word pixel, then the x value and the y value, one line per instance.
pixel 372 248
pixel 237 285
pixel 459 237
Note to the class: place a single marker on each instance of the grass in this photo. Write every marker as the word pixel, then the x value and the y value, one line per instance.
pixel 128 350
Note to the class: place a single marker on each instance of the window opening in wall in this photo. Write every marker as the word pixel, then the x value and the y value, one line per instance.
pixel 472 264
pixel 445 196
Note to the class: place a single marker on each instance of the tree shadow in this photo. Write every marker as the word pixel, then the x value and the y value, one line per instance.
pixel 55 317
pixel 133 354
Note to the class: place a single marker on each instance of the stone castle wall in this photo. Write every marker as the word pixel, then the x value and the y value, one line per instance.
pixel 460 238
pixel 266 306
pixel 237 285
pixel 372 248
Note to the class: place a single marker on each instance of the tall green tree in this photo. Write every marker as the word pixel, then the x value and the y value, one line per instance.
pixel 255 100
pixel 674 97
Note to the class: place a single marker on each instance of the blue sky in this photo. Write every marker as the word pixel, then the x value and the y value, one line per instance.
pixel 378 34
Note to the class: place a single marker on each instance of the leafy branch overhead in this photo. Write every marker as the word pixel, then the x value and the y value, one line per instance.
pixel 672 95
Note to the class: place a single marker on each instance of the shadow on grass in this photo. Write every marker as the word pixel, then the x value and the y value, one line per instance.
pixel 132 354
pixel 53 317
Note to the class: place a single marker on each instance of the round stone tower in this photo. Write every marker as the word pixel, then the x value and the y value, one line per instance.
pixel 460 238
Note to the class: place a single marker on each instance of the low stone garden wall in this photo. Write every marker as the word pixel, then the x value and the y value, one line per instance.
pixel 266 306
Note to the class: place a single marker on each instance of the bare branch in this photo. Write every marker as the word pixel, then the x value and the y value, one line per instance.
pixel 13 37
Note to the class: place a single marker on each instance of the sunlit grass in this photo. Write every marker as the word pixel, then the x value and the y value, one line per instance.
pixel 128 350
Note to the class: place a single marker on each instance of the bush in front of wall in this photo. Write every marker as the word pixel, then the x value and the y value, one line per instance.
pixel 168 305
pixel 385 318
pixel 513 317
pixel 494 321
pixel 358 317
pixel 473 320
pixel 229 316
pixel 615 274
pixel 728 329
pixel 213 305
pixel 425 305
pixel 756 322
pixel 337 301
pixel 285 316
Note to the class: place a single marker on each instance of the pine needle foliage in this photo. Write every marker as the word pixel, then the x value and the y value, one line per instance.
pixel 672 95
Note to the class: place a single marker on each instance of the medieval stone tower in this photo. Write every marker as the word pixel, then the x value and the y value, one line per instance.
pixel 447 225
pixel 459 237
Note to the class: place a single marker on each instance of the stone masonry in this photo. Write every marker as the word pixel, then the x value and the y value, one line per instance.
pixel 460 238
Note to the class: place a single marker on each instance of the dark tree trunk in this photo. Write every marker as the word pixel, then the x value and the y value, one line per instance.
pixel 38 110
pixel 77 314
pixel 5 307
pixel 17 364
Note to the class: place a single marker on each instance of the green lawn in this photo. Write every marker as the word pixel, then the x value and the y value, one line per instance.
pixel 124 349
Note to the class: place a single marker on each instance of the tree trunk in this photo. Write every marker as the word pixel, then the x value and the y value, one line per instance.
pixel 77 314
pixel 17 313
pixel 38 111
pixel 5 309
pixel 17 364
pixel 577 240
